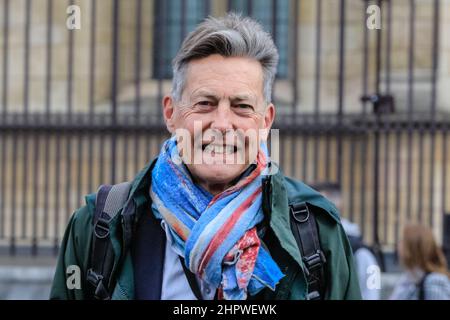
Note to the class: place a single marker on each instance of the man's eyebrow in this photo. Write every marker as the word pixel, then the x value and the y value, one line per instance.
pixel 203 93
pixel 212 95
pixel 242 97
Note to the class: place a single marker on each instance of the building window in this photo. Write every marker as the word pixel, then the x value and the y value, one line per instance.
pixel 274 16
pixel 174 19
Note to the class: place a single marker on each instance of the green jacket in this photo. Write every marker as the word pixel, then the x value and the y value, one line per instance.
pixel 342 280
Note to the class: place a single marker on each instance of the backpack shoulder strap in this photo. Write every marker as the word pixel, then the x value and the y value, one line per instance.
pixel 110 199
pixel 304 227
pixel 148 284
pixel 421 286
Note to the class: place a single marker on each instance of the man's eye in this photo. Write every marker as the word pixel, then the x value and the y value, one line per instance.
pixel 205 103
pixel 244 106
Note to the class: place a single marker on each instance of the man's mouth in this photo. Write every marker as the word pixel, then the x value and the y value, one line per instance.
pixel 219 148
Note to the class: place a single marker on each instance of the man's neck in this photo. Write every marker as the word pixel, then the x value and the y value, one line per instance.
pixel 216 188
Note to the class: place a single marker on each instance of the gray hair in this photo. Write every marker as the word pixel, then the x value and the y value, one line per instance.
pixel 230 36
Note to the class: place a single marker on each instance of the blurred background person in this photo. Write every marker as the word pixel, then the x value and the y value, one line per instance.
pixel 365 259
pixel 426 276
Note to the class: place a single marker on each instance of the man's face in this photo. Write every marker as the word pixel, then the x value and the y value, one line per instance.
pixel 222 98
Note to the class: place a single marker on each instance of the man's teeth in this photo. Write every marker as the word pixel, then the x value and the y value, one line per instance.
pixel 219 149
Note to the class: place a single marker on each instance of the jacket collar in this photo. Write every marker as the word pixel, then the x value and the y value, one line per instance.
pixel 276 199
pixel 282 192
pixel 278 193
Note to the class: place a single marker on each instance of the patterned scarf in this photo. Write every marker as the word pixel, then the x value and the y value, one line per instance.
pixel 216 235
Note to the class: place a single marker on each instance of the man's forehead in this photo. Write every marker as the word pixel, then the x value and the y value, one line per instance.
pixel 218 94
pixel 217 68
pixel 219 60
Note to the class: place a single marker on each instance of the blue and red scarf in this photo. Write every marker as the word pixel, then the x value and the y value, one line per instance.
pixel 216 235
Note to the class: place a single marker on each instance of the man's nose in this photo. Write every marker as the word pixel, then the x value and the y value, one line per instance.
pixel 222 118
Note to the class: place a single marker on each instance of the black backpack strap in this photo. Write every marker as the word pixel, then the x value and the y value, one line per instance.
pixel 421 286
pixel 304 227
pixel 148 253
pixel 109 201
pixel 191 280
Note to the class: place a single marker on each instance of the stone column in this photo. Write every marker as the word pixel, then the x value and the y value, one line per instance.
pixel 443 101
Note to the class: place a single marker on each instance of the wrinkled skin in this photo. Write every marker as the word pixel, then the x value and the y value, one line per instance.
pixel 222 97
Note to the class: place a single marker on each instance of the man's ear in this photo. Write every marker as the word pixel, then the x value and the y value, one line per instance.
pixel 269 117
pixel 168 113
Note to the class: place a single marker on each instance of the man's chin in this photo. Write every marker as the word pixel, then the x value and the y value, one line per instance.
pixel 216 174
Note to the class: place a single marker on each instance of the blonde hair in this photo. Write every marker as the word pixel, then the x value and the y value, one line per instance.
pixel 420 250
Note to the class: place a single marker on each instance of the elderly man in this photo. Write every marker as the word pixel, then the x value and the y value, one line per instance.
pixel 212 217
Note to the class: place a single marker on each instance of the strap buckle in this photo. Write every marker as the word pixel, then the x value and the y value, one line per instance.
pixel 101 228
pixel 93 277
pixel 96 280
pixel 314 261
pixel 314 295
pixel 300 212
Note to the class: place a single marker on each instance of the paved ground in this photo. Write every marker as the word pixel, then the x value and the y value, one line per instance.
pixel 33 283
pixel 24 278
pixel 24 291
pixel 27 278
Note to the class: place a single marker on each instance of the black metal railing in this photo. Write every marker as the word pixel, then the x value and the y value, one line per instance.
pixel 391 161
